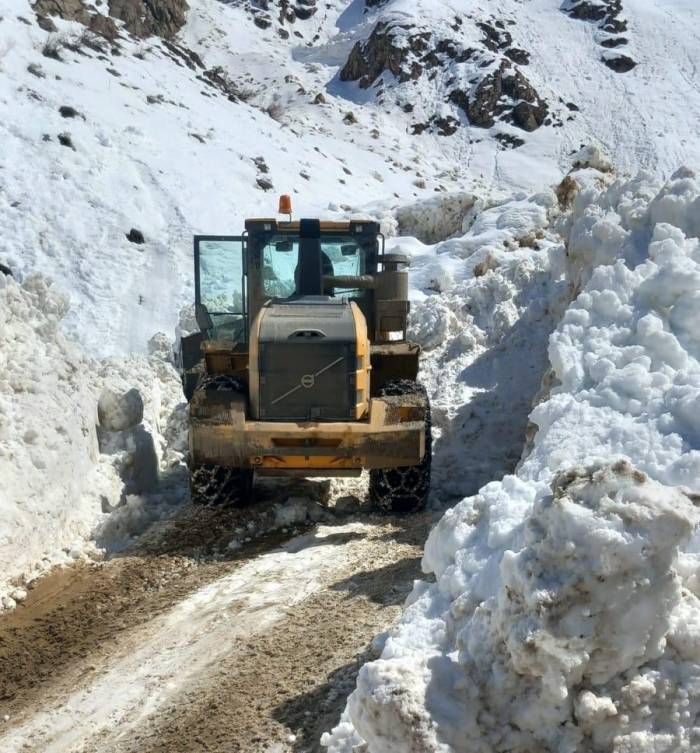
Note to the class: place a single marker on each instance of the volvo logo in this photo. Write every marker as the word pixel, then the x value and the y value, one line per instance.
pixel 308 381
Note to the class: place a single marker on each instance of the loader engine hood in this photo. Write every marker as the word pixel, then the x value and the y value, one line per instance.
pixel 307 361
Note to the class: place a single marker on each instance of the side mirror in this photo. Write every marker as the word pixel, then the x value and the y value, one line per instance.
pixel 203 318
pixel 284 247
pixel 348 249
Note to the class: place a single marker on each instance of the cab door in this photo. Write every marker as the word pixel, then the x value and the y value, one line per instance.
pixel 220 286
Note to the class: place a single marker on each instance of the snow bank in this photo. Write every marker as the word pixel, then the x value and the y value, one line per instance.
pixel 485 336
pixel 65 483
pixel 565 613
pixel 47 432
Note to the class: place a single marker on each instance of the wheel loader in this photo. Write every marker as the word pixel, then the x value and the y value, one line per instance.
pixel 301 365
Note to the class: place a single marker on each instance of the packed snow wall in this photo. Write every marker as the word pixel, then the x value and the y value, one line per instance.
pixel 75 479
pixel 565 613
pixel 47 430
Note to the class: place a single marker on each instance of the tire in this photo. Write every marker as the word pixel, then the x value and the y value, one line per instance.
pixel 405 489
pixel 218 485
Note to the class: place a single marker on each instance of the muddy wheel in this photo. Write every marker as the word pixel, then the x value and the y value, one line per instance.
pixel 217 485
pixel 403 490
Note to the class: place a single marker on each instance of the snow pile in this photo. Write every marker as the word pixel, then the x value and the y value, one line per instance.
pixel 47 432
pixel 565 615
pixel 484 335
pixel 141 476
pixel 67 482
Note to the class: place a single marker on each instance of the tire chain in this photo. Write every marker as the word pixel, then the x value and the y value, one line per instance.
pixel 218 485
pixel 405 489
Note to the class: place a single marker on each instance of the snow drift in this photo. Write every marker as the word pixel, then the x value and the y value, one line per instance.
pixel 64 481
pixel 47 429
pixel 565 613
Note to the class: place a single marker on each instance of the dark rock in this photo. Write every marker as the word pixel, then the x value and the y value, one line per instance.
pixel 613 42
pixel 5 270
pixel 265 184
pixel 135 236
pixel 571 106
pixel 607 15
pixel 189 57
pixel 142 18
pixel 319 99
pixel 508 140
pixel 521 57
pixel 69 112
pixel 64 139
pixel 52 49
pixel 620 63
pixel 46 24
pixel 74 10
pixel 527 110
pixel 260 163
pixel 527 116
pixel 262 22
pixel 585 11
pixel 495 39
pixel 36 70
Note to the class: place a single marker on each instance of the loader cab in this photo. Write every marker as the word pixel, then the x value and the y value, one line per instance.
pixel 288 260
pixel 236 275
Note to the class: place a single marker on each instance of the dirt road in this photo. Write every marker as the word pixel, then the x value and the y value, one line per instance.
pixel 186 644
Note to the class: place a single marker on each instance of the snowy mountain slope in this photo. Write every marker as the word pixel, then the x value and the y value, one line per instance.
pixel 148 151
pixel 565 610
pixel 158 145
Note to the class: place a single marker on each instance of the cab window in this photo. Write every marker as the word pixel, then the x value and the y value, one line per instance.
pixel 221 285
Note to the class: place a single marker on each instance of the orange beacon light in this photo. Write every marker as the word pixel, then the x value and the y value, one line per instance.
pixel 285 206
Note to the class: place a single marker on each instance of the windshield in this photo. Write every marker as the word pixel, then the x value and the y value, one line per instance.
pixel 340 256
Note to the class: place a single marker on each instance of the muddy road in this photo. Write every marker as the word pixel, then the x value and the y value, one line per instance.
pixel 189 642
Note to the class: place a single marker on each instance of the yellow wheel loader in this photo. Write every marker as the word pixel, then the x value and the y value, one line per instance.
pixel 301 366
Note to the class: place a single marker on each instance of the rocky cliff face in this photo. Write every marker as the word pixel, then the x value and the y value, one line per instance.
pixel 142 18
pixel 472 65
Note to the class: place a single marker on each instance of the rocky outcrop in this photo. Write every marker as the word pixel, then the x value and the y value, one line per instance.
pixel 607 16
pixel 279 14
pixel 74 10
pixel 142 18
pixel 146 18
pixel 368 60
pixel 490 89
pixel 504 94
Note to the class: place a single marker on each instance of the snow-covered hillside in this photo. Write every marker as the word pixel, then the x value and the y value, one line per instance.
pixel 196 131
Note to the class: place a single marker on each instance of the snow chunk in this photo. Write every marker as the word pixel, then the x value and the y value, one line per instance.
pixel 118 412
